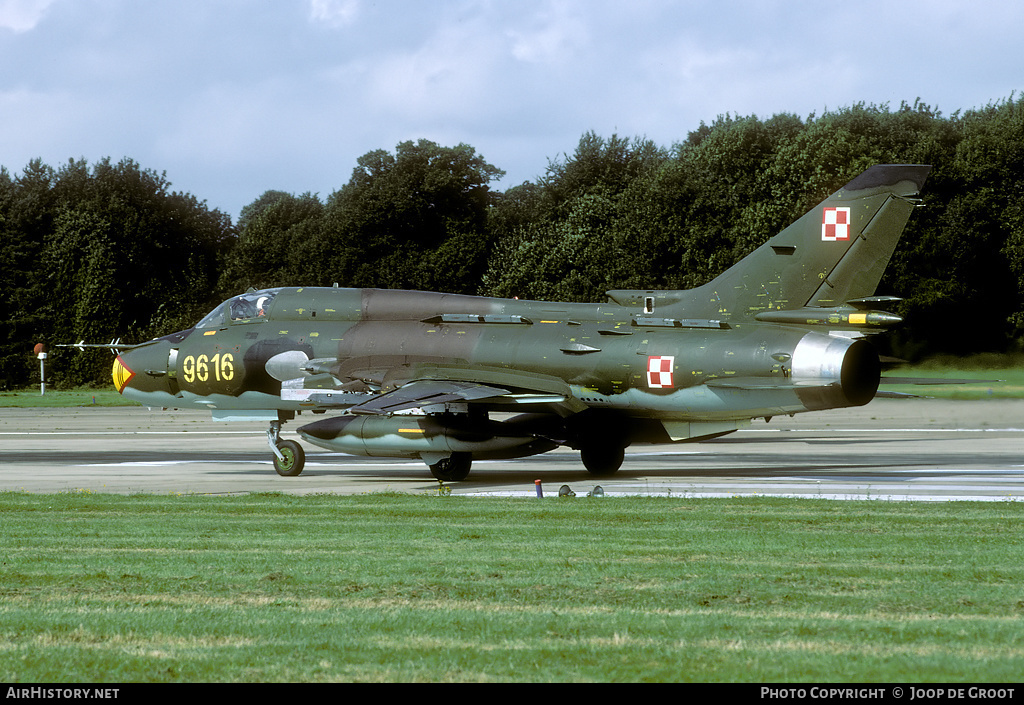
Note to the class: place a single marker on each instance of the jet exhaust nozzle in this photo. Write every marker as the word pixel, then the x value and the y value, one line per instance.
pixel 852 364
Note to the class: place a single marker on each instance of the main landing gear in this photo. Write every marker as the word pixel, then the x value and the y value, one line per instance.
pixel 602 459
pixel 601 440
pixel 453 468
pixel 289 458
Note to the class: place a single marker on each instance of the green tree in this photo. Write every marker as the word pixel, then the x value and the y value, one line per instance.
pixel 960 259
pixel 114 253
pixel 273 239
pixel 413 219
pixel 27 205
pixel 562 226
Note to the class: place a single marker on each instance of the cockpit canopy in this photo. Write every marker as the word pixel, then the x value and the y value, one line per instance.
pixel 249 307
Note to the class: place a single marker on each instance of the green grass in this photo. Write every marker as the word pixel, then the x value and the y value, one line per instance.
pixel 103 588
pixel 64 398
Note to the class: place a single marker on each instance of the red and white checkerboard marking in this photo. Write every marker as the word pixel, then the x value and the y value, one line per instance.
pixel 835 224
pixel 659 371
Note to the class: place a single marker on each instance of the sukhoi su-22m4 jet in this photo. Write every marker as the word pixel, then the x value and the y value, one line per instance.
pixel 451 378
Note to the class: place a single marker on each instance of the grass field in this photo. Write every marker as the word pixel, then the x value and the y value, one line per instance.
pixel 102 588
pixel 63 398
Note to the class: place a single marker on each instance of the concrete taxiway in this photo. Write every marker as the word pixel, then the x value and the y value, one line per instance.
pixel 890 449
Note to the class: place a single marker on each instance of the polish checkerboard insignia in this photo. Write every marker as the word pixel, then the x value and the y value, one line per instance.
pixel 659 371
pixel 835 224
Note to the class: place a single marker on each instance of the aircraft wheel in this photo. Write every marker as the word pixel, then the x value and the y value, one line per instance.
pixel 294 459
pixel 602 460
pixel 454 468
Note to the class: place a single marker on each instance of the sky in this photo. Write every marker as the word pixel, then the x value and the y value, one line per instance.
pixel 231 98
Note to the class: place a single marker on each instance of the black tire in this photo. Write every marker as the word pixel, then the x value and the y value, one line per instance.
pixel 453 468
pixel 602 460
pixel 294 459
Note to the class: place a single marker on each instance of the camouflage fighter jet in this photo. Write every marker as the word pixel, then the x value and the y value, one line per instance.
pixel 451 378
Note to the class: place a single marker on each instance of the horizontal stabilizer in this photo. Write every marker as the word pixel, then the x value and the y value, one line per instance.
pixel 880 394
pixel 936 381
pixel 752 383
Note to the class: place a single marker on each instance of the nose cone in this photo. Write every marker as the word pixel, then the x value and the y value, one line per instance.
pixel 122 374
pixel 143 374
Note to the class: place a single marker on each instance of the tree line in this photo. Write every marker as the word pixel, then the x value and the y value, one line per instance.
pixel 108 250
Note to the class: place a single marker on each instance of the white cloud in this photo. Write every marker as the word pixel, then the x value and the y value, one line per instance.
pixel 702 81
pixel 554 36
pixel 334 13
pixel 447 76
pixel 22 15
pixel 234 97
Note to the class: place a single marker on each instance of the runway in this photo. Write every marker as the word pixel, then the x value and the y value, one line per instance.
pixel 890 450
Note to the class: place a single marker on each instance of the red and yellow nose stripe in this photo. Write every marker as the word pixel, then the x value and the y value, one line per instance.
pixel 122 375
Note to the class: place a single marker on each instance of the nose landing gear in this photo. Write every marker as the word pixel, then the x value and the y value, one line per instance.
pixel 289 458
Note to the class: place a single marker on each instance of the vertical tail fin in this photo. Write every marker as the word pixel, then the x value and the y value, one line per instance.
pixel 835 253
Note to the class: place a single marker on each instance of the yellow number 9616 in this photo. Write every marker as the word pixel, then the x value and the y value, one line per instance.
pixel 220 367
